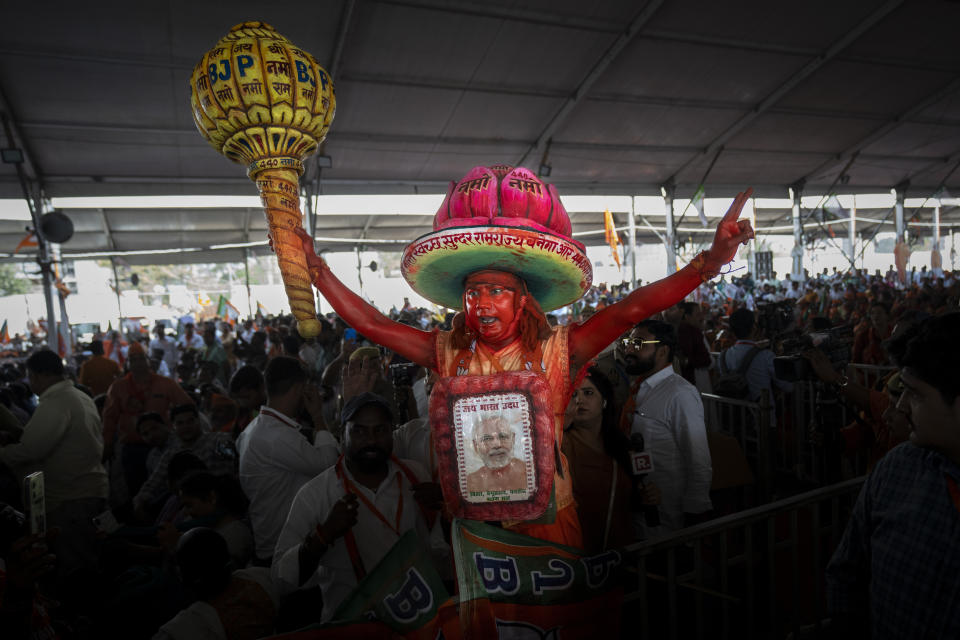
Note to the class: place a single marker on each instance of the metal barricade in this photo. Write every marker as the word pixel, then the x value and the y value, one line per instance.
pixel 819 409
pixel 810 465
pixel 868 375
pixel 754 574
pixel 750 424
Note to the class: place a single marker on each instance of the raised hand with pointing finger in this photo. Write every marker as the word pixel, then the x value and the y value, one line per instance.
pixel 731 232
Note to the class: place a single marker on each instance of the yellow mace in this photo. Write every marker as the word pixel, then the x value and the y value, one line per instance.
pixel 261 101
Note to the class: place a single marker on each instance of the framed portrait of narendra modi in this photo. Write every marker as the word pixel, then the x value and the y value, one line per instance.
pixel 495 445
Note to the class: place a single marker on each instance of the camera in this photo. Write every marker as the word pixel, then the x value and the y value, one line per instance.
pixel 401 375
pixel 774 318
pixel 834 343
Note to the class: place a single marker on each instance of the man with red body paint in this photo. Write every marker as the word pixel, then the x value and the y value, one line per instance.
pixel 501 316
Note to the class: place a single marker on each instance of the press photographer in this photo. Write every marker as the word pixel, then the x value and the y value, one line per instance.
pixel 758 372
pixel 878 425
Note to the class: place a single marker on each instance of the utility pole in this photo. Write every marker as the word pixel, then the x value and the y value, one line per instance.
pixel 668 190
pixel 796 273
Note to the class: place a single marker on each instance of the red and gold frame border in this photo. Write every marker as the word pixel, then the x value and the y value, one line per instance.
pixel 536 391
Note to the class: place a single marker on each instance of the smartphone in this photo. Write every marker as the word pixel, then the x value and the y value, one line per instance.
pixel 350 334
pixel 35 502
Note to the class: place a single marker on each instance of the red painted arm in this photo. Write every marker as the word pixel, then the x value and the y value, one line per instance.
pixel 605 326
pixel 413 344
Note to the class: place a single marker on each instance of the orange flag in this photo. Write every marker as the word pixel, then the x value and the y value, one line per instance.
pixel 29 240
pixel 613 239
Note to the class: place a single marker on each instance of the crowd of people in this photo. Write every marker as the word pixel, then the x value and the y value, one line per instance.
pixel 191 479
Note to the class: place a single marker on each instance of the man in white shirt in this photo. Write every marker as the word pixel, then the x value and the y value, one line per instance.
pixel 169 348
pixel 248 330
pixel 344 521
pixel 63 439
pixel 189 339
pixel 669 415
pixel 275 459
pixel 793 291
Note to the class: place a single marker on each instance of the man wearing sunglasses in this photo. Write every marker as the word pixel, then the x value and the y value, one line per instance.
pixel 667 411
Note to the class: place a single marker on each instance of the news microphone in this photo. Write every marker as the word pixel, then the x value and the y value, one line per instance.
pixel 641 464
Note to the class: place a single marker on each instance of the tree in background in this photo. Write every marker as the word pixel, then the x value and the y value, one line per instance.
pixel 12 281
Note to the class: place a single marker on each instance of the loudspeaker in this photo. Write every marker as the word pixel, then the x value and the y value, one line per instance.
pixel 56 227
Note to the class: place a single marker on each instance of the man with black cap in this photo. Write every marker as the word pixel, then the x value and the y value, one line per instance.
pixel 344 521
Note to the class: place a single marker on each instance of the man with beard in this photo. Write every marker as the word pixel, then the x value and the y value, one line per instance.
pixel 667 411
pixel 493 441
pixel 344 521
pixel 276 460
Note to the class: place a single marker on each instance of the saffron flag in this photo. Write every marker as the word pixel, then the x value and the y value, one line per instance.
pixel 4 334
pixel 227 311
pixel 29 240
pixel 610 232
pixel 514 586
pixel 262 310
pixel 697 202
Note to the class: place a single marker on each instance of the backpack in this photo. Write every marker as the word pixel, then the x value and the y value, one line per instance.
pixel 733 384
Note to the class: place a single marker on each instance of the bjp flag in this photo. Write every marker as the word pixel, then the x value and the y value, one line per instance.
pixel 514 586
pixel 401 597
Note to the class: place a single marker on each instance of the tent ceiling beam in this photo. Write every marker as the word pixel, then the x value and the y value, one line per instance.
pixel 377 138
pixel 335 61
pixel 936 164
pixel 790 83
pixel 887 127
pixel 32 170
pixel 546 18
pixel 740 44
pixel 616 48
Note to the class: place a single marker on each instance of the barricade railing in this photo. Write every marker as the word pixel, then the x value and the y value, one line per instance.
pixel 753 574
pixel 750 424
pixel 802 444
pixel 868 375
pixel 819 413
pixel 811 463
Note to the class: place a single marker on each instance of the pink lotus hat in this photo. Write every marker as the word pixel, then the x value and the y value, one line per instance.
pixel 501 218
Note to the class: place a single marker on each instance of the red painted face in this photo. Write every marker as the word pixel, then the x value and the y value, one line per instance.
pixel 490 303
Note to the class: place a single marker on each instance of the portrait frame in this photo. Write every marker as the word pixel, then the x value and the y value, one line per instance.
pixel 460 408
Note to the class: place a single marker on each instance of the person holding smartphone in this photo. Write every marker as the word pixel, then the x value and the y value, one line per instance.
pixel 63 440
